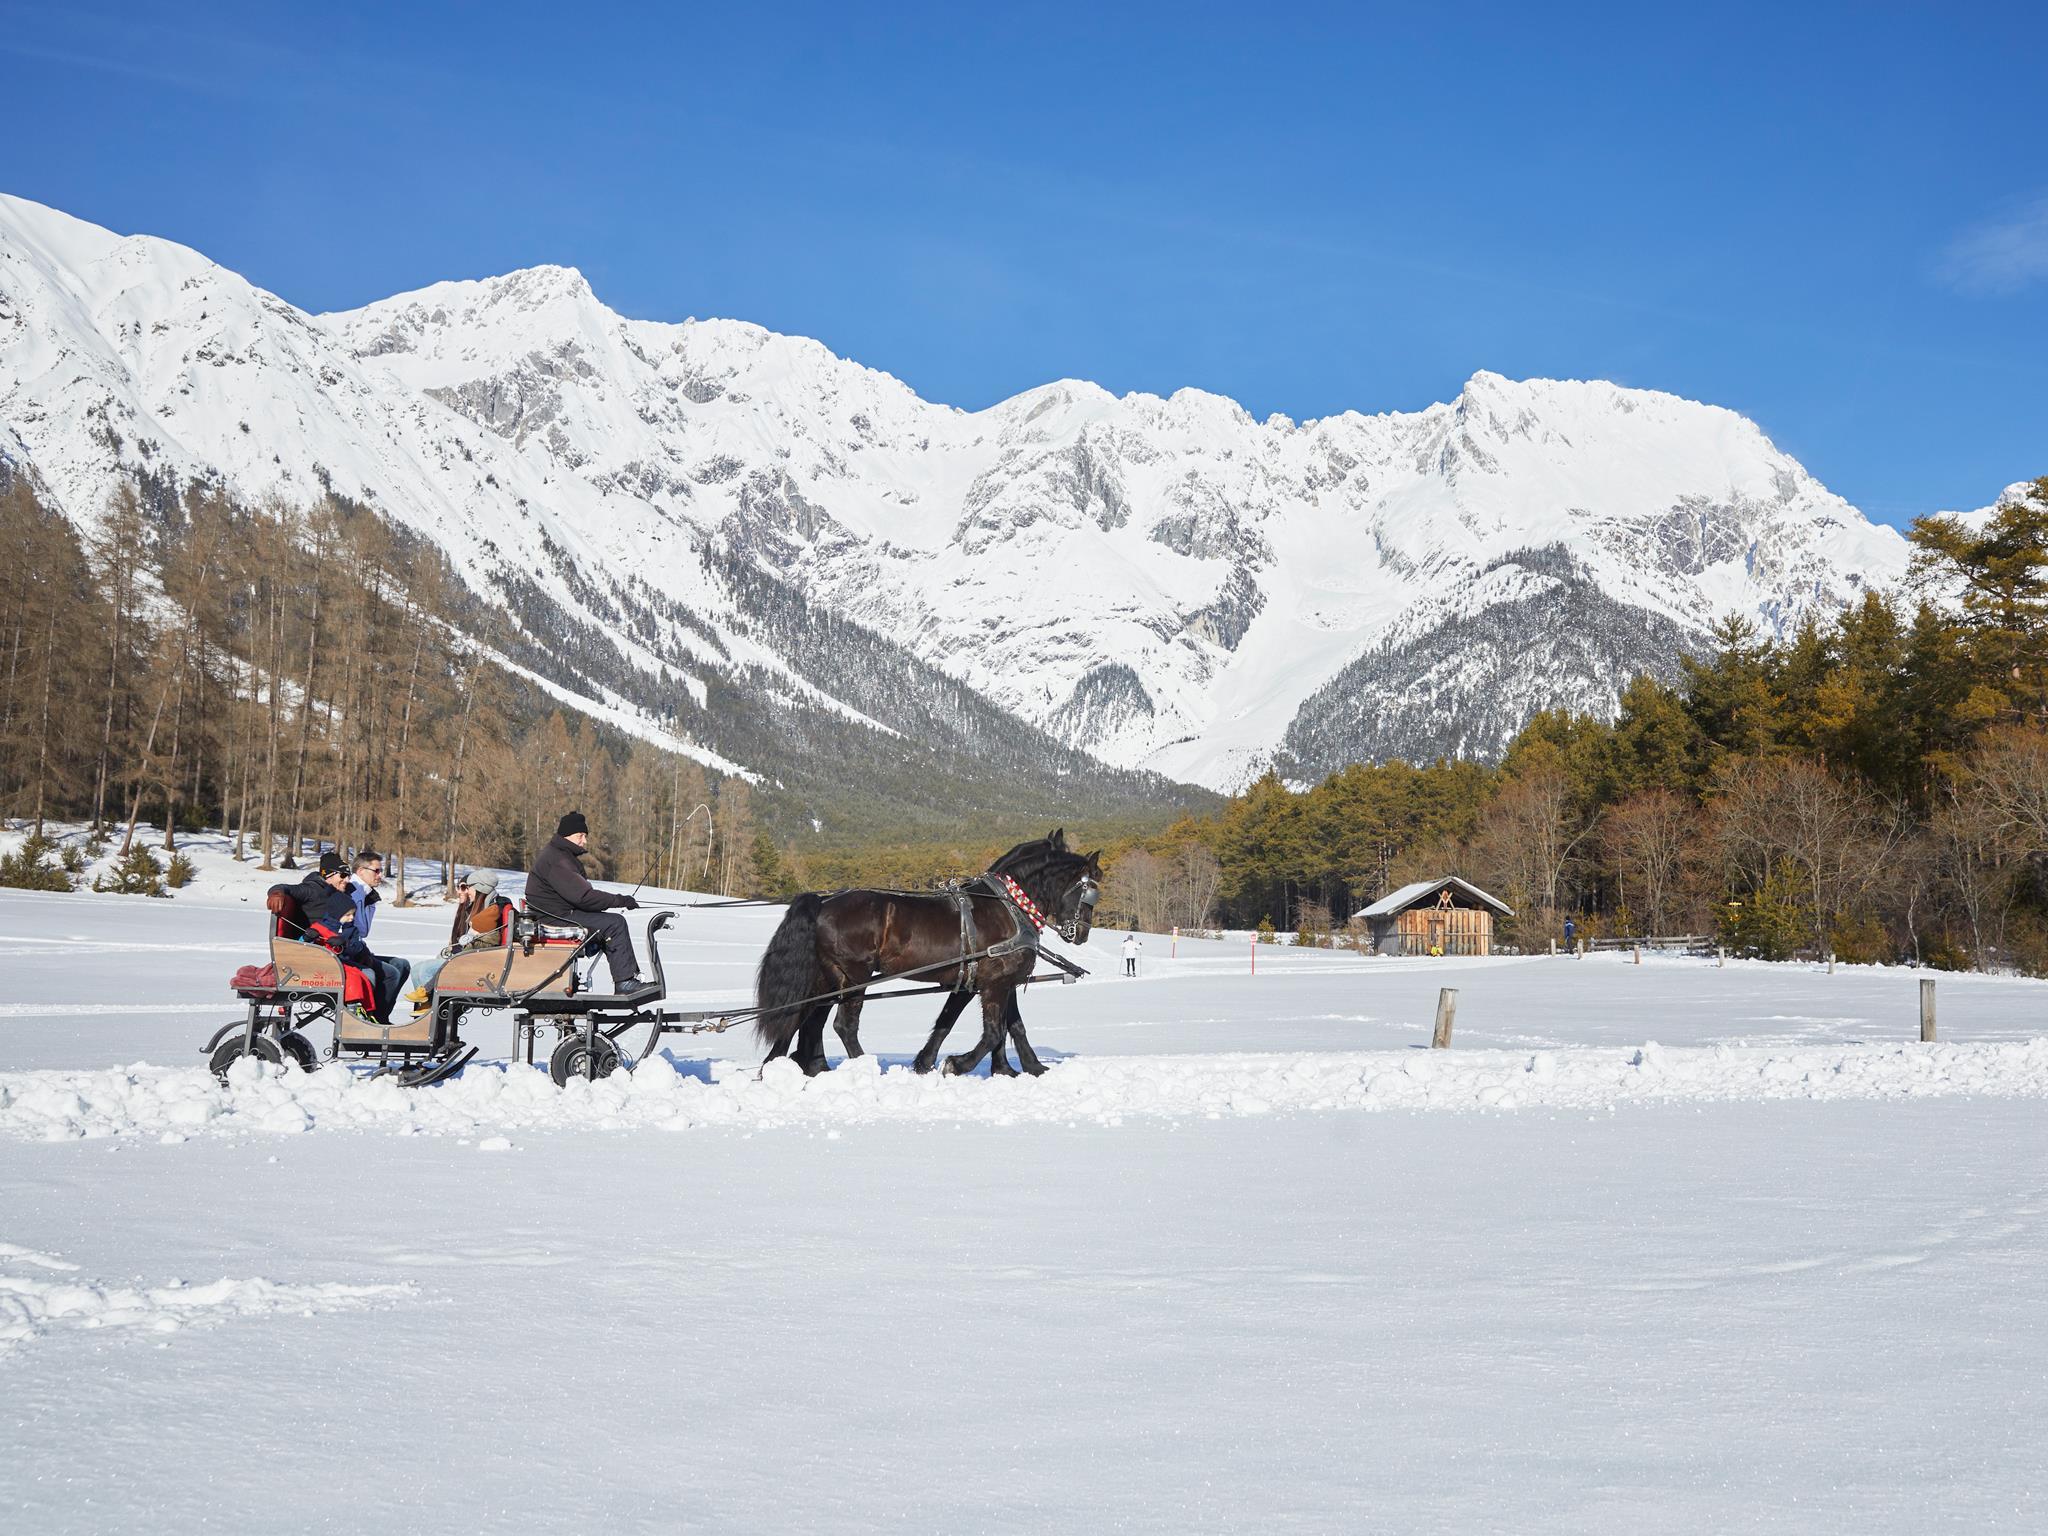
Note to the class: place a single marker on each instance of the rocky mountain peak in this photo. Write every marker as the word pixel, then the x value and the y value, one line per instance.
pixel 1165 582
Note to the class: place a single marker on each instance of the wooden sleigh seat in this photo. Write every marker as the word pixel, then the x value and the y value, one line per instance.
pixel 531 959
pixel 299 967
pixel 507 971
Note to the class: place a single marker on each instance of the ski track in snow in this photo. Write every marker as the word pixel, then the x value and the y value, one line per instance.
pixel 98 1010
pixel 174 1103
pixel 55 1299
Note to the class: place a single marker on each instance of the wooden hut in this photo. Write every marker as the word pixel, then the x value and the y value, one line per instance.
pixel 1447 916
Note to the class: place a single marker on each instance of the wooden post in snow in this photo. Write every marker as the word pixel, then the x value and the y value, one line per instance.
pixel 1720 954
pixel 1639 954
pixel 1927 1009
pixel 1255 954
pixel 1831 962
pixel 1446 1011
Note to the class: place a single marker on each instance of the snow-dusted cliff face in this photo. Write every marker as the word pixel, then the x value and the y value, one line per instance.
pixel 1164 583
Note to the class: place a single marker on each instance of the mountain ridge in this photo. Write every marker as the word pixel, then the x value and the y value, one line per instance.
pixel 1158 582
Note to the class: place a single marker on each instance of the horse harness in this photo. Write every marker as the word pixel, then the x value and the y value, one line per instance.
pixel 1027 921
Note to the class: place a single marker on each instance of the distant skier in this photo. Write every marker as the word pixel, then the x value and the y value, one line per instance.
pixel 1131 948
pixel 1571 937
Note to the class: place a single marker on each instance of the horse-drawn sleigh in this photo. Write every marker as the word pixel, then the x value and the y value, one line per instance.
pixel 976 939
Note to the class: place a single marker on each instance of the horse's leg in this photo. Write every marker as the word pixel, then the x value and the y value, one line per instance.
pixel 848 1023
pixel 991 1044
pixel 810 1039
pixel 948 1015
pixel 1013 1019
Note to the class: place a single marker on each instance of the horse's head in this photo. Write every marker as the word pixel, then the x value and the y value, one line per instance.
pixel 1075 914
pixel 1063 884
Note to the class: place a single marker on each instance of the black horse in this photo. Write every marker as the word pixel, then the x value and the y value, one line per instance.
pixel 830 943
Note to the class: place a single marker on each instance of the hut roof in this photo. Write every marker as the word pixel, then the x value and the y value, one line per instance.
pixel 1423 890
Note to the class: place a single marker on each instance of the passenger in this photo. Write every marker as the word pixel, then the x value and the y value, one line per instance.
pixel 465 904
pixel 387 973
pixel 557 892
pixel 327 915
pixel 327 909
pixel 481 918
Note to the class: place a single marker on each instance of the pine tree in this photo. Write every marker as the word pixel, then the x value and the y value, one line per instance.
pixel 137 874
pixel 1732 699
pixel 770 876
pixel 1656 743
pixel 1999 574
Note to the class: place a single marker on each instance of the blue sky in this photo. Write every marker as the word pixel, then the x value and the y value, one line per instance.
pixel 1834 219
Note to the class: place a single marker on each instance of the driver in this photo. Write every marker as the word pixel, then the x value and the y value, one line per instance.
pixel 556 891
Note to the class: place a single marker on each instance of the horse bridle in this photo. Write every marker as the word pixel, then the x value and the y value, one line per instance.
pixel 1070 928
pixel 1067 928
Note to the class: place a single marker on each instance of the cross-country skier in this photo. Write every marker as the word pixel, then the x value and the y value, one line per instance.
pixel 1131 948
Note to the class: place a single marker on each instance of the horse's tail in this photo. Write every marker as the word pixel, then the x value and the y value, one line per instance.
pixel 789 973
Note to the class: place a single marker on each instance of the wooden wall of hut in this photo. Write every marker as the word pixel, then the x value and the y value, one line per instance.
pixel 1429 929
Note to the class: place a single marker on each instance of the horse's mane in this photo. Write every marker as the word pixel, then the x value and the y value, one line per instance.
pixel 1028 861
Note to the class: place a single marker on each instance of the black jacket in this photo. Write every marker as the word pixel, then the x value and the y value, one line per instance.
pixel 321 904
pixel 555 887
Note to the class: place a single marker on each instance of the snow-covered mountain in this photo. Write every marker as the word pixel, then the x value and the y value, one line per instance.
pixel 1161 583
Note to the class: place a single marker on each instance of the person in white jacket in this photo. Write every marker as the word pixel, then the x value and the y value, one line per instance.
pixel 1131 948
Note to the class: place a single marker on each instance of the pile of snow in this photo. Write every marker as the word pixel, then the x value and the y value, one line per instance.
pixel 175 1103
pixel 53 1298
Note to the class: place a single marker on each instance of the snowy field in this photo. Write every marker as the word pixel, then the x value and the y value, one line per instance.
pixel 1658 1247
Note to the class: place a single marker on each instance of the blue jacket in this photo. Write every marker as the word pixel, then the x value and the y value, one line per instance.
pixel 366 898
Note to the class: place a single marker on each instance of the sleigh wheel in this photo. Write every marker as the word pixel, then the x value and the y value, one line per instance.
pixel 235 1047
pixel 298 1050
pixel 568 1059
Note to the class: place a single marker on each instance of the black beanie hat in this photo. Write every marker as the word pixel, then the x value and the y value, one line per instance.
pixel 330 863
pixel 572 824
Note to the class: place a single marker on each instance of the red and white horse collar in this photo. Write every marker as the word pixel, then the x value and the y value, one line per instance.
pixel 1024 903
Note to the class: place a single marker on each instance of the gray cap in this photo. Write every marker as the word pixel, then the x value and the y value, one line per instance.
pixel 484 881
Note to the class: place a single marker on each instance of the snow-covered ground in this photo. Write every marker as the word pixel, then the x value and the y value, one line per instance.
pixel 1249 1257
